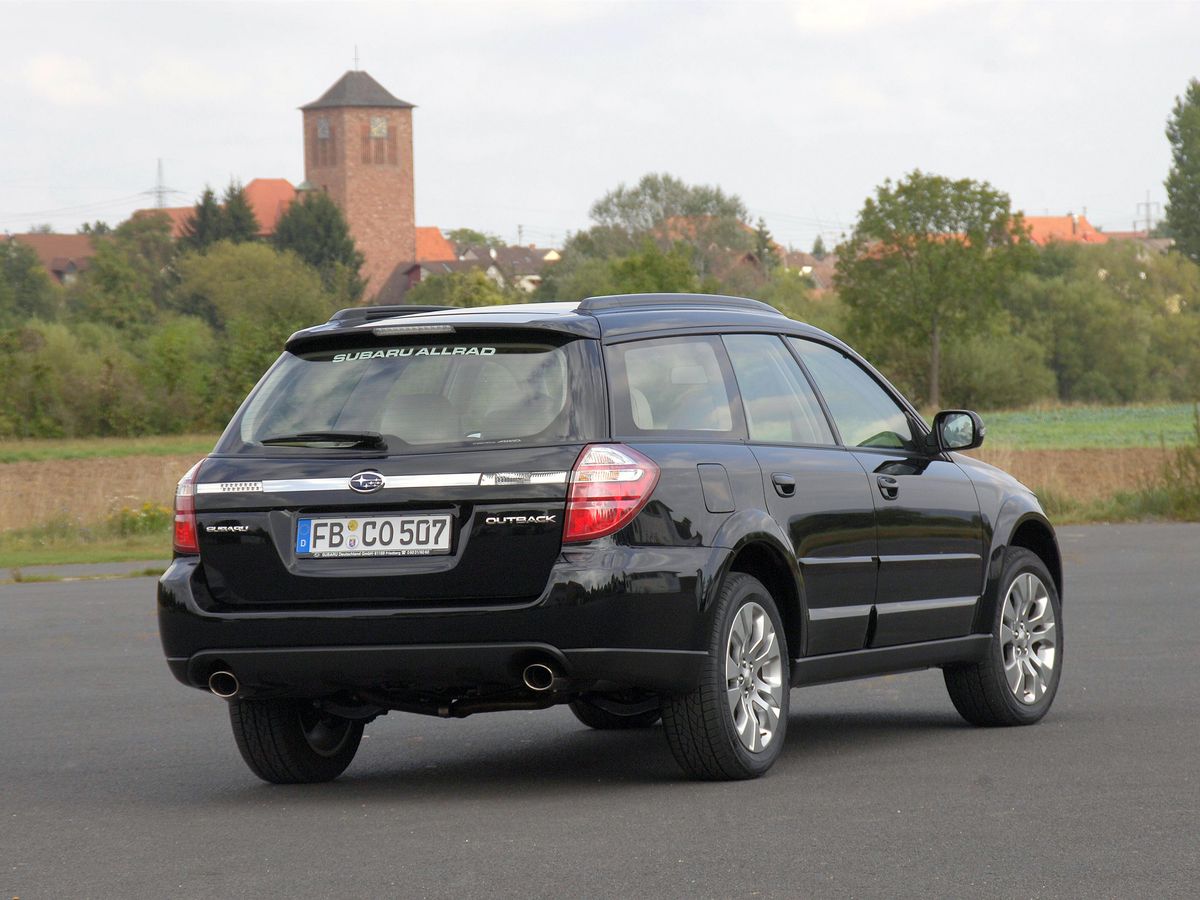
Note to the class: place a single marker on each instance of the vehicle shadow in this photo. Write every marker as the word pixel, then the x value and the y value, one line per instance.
pixel 586 760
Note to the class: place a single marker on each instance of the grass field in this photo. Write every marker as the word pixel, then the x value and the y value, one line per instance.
pixel 85 500
pixel 106 448
pixel 1091 427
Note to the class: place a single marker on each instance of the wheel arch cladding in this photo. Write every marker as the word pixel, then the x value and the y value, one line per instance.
pixel 1035 535
pixel 764 562
pixel 1031 532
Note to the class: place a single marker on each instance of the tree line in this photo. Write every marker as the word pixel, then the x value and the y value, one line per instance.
pixel 159 335
pixel 938 284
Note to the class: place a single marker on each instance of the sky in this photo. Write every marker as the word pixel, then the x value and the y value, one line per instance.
pixel 527 112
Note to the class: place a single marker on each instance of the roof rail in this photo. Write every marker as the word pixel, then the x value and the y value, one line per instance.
pixel 353 315
pixel 633 301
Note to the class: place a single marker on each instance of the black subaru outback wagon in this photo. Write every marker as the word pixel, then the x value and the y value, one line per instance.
pixel 648 507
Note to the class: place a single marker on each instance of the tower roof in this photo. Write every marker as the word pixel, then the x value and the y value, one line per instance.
pixel 357 88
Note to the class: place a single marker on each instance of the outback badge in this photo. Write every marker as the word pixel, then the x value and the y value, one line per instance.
pixel 366 482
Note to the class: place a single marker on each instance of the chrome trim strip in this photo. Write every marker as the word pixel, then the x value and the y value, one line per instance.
pixel 827 613
pixel 898 607
pixel 467 479
pixel 837 560
pixel 455 479
pixel 930 557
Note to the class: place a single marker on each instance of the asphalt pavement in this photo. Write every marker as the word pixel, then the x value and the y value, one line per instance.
pixel 117 781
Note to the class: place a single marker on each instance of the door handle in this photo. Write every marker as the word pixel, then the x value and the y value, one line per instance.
pixel 888 486
pixel 785 484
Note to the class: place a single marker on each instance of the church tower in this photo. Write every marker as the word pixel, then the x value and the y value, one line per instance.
pixel 358 148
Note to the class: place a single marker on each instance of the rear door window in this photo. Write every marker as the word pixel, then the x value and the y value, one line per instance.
pixel 781 406
pixel 418 396
pixel 674 385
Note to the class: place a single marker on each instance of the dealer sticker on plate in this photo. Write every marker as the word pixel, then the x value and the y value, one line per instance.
pixel 373 536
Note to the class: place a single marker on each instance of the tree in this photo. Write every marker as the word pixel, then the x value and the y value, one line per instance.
pixel 764 246
pixel 929 260
pixel 818 248
pixel 472 288
pixel 98 228
pixel 1183 181
pixel 239 224
pixel 657 198
pixel 314 228
pixel 26 291
pixel 206 225
pixel 128 282
pixel 255 297
pixel 469 237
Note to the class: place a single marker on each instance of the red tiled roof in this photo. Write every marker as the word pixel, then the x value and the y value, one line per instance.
pixel 268 197
pixel 56 251
pixel 432 246
pixel 1069 229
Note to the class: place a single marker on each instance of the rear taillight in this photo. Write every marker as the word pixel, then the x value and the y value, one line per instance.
pixel 609 486
pixel 185 512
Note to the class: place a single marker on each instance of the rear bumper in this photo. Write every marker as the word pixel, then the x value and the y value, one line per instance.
pixel 438 668
pixel 601 625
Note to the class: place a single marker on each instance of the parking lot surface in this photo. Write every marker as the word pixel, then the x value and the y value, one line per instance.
pixel 117 781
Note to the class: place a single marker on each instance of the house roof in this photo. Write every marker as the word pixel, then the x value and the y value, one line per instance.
pixel 356 88
pixel 57 252
pixel 1069 229
pixel 432 245
pixel 268 197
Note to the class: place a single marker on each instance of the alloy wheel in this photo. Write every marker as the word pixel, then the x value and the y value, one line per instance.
pixel 754 677
pixel 1028 639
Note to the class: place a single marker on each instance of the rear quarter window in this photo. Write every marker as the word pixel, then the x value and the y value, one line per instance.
pixel 673 386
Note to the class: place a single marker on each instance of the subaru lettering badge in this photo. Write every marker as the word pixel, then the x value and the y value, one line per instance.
pixel 366 482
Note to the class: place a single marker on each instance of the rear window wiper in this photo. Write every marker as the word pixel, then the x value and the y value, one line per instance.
pixel 367 440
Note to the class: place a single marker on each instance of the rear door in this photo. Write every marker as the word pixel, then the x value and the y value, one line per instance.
pixel 414 471
pixel 815 489
pixel 930 529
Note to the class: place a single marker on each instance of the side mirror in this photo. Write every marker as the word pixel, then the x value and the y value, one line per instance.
pixel 958 429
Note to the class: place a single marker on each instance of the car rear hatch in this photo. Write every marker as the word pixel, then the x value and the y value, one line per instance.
pixel 416 470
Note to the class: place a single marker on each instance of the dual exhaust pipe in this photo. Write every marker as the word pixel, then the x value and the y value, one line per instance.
pixel 541 677
pixel 538 677
pixel 224 684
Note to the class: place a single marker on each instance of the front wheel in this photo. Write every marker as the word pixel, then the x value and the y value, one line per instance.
pixel 733 724
pixel 1017 680
pixel 288 741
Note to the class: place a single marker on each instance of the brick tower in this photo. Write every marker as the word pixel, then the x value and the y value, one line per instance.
pixel 358 148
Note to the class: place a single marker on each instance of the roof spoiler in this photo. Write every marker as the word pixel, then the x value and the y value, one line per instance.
pixel 356 315
pixel 629 301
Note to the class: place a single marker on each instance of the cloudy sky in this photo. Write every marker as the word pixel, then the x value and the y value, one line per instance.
pixel 529 111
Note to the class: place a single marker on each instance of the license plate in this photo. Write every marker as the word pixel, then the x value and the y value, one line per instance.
pixel 373 536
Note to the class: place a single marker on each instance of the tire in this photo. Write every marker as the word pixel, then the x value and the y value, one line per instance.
pixel 287 741
pixel 702 727
pixel 607 712
pixel 1016 683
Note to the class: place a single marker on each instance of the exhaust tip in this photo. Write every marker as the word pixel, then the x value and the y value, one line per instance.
pixel 538 677
pixel 223 684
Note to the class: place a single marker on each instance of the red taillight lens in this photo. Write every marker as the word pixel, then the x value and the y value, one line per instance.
pixel 609 486
pixel 185 512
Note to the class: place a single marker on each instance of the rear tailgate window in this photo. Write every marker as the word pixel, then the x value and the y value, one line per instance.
pixel 427 395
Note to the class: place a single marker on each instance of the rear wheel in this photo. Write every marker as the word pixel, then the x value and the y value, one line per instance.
pixel 1016 683
pixel 611 711
pixel 733 724
pixel 292 742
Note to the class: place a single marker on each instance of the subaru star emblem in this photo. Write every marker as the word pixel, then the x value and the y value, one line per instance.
pixel 366 482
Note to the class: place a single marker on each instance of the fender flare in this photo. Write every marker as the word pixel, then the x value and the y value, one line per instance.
pixel 1016 511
